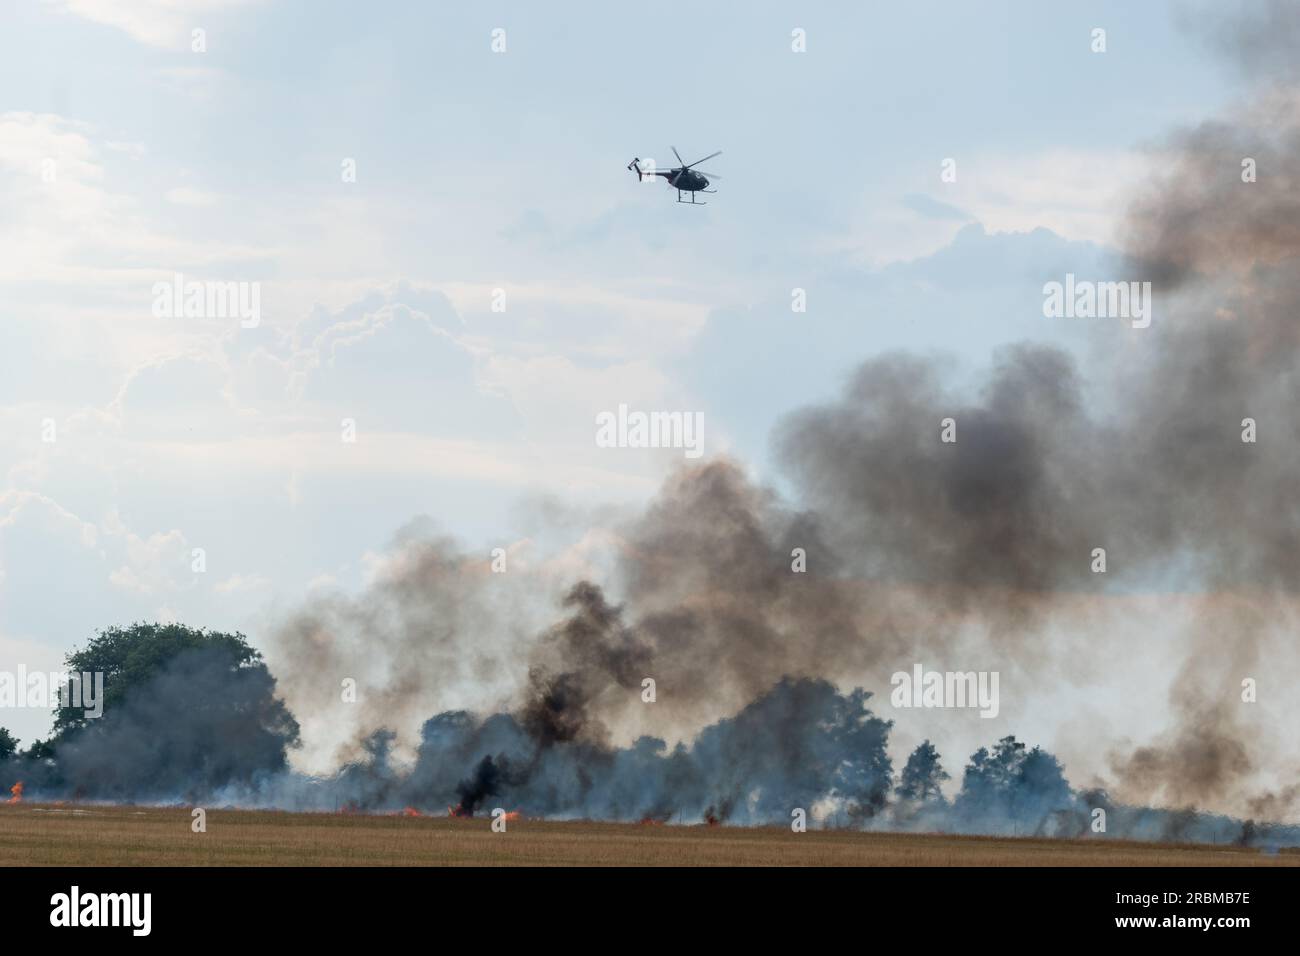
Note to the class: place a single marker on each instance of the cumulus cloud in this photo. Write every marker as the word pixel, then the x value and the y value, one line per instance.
pixel 158 23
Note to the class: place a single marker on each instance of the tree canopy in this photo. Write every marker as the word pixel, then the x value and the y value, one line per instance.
pixel 129 657
pixel 923 776
pixel 185 712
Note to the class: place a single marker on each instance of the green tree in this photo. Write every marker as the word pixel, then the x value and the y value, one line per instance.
pixel 39 750
pixel 923 776
pixel 186 712
pixel 8 744
pixel 129 657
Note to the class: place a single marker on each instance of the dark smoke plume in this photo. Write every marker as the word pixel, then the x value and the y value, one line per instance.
pixel 597 653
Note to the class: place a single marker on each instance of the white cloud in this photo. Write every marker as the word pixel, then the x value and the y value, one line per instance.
pixel 1078 194
pixel 241 582
pixel 70 220
pixel 160 562
pixel 187 196
pixel 160 23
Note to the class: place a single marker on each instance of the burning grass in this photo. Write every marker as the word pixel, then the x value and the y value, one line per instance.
pixel 112 835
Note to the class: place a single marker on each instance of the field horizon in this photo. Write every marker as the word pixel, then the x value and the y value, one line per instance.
pixel 63 834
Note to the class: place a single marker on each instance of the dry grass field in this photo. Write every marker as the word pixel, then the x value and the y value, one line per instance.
pixel 93 835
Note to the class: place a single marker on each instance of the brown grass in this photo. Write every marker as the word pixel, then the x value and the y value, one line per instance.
pixel 93 835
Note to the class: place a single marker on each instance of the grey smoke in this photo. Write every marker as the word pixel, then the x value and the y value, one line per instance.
pixel 203 722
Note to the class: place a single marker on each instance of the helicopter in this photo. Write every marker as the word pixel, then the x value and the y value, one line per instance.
pixel 683 177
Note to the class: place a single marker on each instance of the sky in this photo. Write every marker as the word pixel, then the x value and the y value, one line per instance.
pixel 493 277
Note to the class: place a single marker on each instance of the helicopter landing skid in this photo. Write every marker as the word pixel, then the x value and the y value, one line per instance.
pixel 691 201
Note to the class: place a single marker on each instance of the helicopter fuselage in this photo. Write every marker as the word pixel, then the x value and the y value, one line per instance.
pixel 686 180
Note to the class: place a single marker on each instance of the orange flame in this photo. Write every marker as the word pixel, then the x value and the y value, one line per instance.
pixel 17 791
pixel 411 812
pixel 459 811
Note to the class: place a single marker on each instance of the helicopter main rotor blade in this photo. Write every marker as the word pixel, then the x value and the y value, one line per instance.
pixel 678 155
pixel 706 158
pixel 706 175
